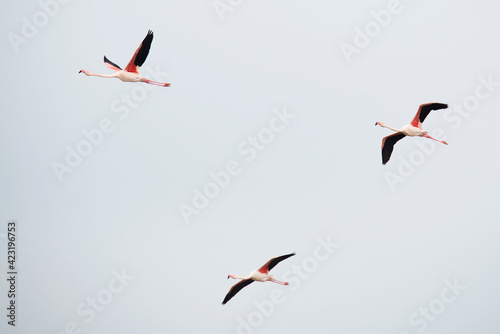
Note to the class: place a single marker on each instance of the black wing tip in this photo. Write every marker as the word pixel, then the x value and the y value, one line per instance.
pixel 435 105
pixel 388 145
pixel 286 255
pixel 274 261
pixel 106 60
pixel 439 105
pixel 227 298
pixel 385 159
pixel 149 35
pixel 143 51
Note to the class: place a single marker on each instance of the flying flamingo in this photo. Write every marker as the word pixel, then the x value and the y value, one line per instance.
pixel 131 72
pixel 261 275
pixel 414 128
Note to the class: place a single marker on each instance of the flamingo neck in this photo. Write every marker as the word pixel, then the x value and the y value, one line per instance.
pixel 102 75
pixel 389 127
pixel 238 277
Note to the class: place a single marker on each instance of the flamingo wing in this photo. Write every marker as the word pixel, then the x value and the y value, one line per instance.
pixel 111 65
pixel 236 288
pixel 273 262
pixel 140 54
pixel 388 145
pixel 424 110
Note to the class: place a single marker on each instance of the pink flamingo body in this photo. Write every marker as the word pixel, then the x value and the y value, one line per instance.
pixel 412 129
pixel 259 275
pixel 131 71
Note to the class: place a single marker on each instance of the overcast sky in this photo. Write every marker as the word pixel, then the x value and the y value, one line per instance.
pixel 133 202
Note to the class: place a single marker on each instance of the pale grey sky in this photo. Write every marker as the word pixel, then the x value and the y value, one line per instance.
pixel 133 203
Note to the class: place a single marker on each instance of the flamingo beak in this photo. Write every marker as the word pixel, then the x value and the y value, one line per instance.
pixel 375 122
pixel 80 71
pixel 228 276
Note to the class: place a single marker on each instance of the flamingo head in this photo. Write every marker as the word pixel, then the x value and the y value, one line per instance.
pixel 379 123
pixel 83 71
pixel 230 276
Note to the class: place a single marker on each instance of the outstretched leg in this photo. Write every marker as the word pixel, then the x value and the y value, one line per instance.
pixel 278 282
pixel 156 83
pixel 441 141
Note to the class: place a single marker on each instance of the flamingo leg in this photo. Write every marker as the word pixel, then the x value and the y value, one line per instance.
pixel 156 83
pixel 441 141
pixel 278 282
